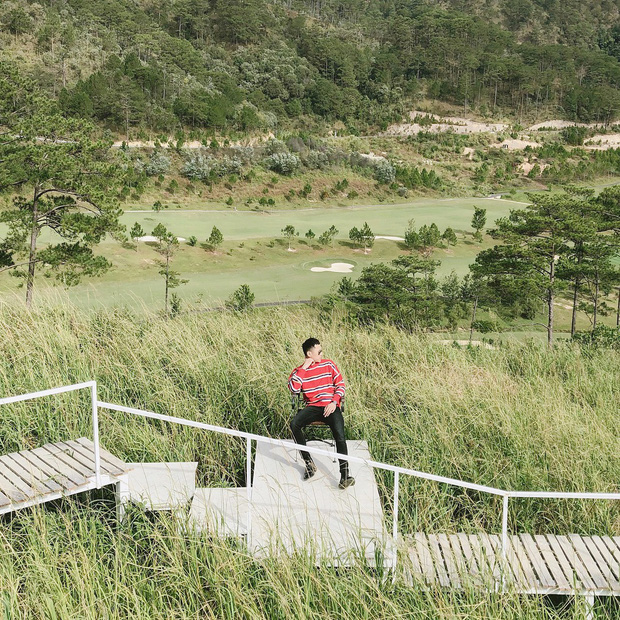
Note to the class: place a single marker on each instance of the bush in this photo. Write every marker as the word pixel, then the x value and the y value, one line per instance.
pixel 283 163
pixel 198 167
pixel 158 164
pixel 241 300
pixel 601 337
pixel 385 172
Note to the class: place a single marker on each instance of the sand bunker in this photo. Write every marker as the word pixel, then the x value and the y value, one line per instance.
pixel 147 238
pixel 336 267
pixel 389 238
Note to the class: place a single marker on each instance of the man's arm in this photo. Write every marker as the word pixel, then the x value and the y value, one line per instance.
pixel 296 378
pixel 338 384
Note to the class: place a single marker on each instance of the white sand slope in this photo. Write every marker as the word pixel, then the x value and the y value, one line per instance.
pixel 151 238
pixel 389 238
pixel 335 267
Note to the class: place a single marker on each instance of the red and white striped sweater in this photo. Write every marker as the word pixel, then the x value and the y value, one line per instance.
pixel 320 384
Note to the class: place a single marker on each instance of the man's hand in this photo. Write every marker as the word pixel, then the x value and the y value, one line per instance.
pixel 329 409
pixel 307 363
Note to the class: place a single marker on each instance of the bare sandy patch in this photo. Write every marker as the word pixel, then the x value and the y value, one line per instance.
pixel 335 267
pixel 515 145
pixel 150 238
pixel 439 124
pixel 603 142
pixel 559 124
pixel 389 238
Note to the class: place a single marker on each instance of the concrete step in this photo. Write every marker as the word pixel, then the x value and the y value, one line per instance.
pixel 221 511
pixel 162 486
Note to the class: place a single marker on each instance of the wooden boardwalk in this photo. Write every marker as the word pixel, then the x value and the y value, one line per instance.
pixel 53 471
pixel 542 564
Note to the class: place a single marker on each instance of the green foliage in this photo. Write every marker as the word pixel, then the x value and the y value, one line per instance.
pixel 283 163
pixel 136 232
pixel 478 222
pixel 327 237
pixel 290 233
pixel 215 238
pixel 241 300
pixel 310 234
pixel 449 236
pixel 574 136
pixel 385 172
pixel 192 241
pixel 71 181
pixel 602 337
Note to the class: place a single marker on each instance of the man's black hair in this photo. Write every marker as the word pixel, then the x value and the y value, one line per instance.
pixel 308 344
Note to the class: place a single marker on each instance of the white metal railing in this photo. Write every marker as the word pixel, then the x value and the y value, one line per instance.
pixel 92 385
pixel 249 437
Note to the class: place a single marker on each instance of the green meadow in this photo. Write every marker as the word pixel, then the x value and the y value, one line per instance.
pixel 273 273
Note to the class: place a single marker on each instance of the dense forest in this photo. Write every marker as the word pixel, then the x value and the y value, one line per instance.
pixel 226 65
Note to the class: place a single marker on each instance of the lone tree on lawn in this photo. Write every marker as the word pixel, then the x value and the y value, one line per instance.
pixel 289 232
pixel 69 186
pixel 215 238
pixel 167 244
pixel 478 222
pixel 135 233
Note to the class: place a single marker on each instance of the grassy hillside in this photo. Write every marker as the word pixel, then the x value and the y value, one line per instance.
pixel 518 417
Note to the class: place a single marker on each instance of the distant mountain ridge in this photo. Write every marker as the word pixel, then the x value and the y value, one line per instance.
pixel 250 65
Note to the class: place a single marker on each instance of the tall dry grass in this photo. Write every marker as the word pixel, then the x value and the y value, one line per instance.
pixel 517 417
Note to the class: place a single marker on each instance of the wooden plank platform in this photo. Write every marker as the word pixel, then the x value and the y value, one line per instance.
pixel 52 471
pixel 541 564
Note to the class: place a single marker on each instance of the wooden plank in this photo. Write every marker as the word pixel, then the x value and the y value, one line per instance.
pixel 88 457
pixel 475 569
pixel 64 457
pixel 524 575
pixel 426 561
pixel 440 567
pixel 76 452
pixel 462 562
pixel 573 557
pixel 512 570
pixel 416 565
pixel 449 560
pixel 34 473
pixel 493 560
pixel 104 454
pixel 563 580
pixel 479 551
pixel 16 481
pixel 589 562
pixel 4 500
pixel 601 560
pixel 537 561
pixel 470 560
pixel 612 557
pixel 48 468
pixel 11 491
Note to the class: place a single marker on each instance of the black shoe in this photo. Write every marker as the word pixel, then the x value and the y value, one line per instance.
pixel 346 481
pixel 310 470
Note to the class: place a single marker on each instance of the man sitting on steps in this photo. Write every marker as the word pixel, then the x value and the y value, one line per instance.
pixel 322 386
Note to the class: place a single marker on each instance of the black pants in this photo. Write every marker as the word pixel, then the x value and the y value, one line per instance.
pixel 335 421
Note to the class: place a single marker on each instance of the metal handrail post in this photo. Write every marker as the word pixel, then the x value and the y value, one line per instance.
pixel 504 539
pixel 395 519
pixel 248 482
pixel 95 409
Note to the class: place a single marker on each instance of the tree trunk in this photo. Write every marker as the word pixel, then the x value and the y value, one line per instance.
pixel 550 298
pixel 596 290
pixel 573 323
pixel 618 310
pixel 34 233
pixel 473 318
pixel 167 278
